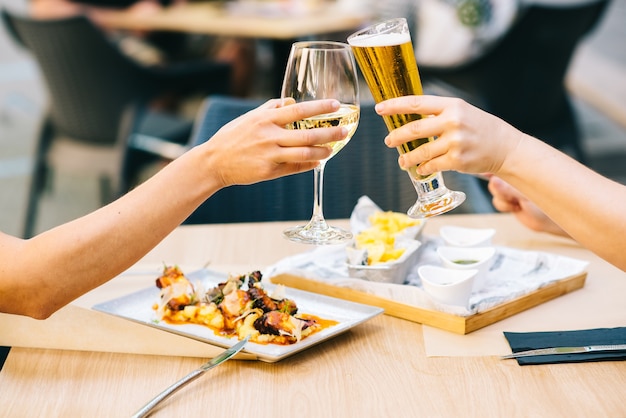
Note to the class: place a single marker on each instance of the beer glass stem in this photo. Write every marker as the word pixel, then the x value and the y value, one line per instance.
pixel 433 197
pixel 431 186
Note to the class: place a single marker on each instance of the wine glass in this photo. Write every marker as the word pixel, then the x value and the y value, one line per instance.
pixel 322 70
pixel 385 56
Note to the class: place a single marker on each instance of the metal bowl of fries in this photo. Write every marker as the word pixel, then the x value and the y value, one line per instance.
pixel 385 248
pixel 394 271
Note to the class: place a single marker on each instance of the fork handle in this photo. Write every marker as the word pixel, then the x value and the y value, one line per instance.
pixel 147 408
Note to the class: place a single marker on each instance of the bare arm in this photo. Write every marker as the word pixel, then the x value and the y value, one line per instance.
pixel 586 205
pixel 42 274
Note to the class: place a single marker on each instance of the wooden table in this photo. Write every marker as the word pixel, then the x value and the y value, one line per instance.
pixel 377 369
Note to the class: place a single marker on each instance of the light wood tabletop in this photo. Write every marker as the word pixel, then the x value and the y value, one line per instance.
pixel 379 368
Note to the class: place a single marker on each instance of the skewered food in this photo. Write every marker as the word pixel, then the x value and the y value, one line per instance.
pixel 239 306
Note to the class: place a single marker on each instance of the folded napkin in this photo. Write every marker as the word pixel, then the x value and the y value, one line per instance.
pixel 4 352
pixel 522 341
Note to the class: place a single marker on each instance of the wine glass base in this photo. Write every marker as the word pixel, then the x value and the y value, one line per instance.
pixel 330 235
pixel 445 203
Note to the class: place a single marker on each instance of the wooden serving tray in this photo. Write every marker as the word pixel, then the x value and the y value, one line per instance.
pixel 443 320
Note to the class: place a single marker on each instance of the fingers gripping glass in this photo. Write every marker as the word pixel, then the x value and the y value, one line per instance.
pixel 384 53
pixel 322 70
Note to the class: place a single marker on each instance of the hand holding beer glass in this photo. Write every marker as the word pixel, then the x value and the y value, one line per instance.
pixel 322 70
pixel 384 53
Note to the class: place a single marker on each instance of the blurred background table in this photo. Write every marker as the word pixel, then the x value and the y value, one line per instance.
pixel 214 18
pixel 380 368
pixel 280 28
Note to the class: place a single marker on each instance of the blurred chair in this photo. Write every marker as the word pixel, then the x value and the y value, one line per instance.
pixel 99 119
pixel 364 167
pixel 522 79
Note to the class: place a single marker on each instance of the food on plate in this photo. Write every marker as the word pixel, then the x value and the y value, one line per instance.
pixel 379 240
pixel 240 306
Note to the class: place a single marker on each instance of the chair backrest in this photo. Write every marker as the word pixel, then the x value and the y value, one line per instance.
pixel 90 82
pixel 364 167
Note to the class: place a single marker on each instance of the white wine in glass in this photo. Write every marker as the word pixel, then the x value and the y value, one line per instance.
pixel 322 70
pixel 384 52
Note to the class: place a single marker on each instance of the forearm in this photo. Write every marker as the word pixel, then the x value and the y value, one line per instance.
pixel 79 256
pixel 588 206
pixel 584 204
pixel 40 275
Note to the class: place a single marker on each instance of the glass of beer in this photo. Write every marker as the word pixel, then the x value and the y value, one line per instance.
pixel 322 70
pixel 385 55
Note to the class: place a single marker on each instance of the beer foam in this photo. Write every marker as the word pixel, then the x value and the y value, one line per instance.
pixel 381 39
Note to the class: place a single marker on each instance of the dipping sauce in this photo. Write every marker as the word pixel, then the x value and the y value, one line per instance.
pixel 465 262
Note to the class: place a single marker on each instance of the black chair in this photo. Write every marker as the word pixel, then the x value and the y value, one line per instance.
pixel 522 79
pixel 100 113
pixel 364 167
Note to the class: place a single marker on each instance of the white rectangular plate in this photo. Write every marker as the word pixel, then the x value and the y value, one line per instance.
pixel 138 307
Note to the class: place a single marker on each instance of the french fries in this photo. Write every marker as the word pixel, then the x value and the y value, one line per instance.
pixel 379 239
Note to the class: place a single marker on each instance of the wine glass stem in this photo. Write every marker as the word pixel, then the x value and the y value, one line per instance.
pixel 317 220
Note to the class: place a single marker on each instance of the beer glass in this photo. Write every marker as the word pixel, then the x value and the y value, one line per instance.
pixel 322 70
pixel 384 53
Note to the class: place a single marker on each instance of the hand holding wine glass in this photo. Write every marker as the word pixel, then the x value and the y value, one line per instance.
pixel 322 70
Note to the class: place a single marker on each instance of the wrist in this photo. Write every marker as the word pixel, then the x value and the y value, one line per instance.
pixel 203 166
